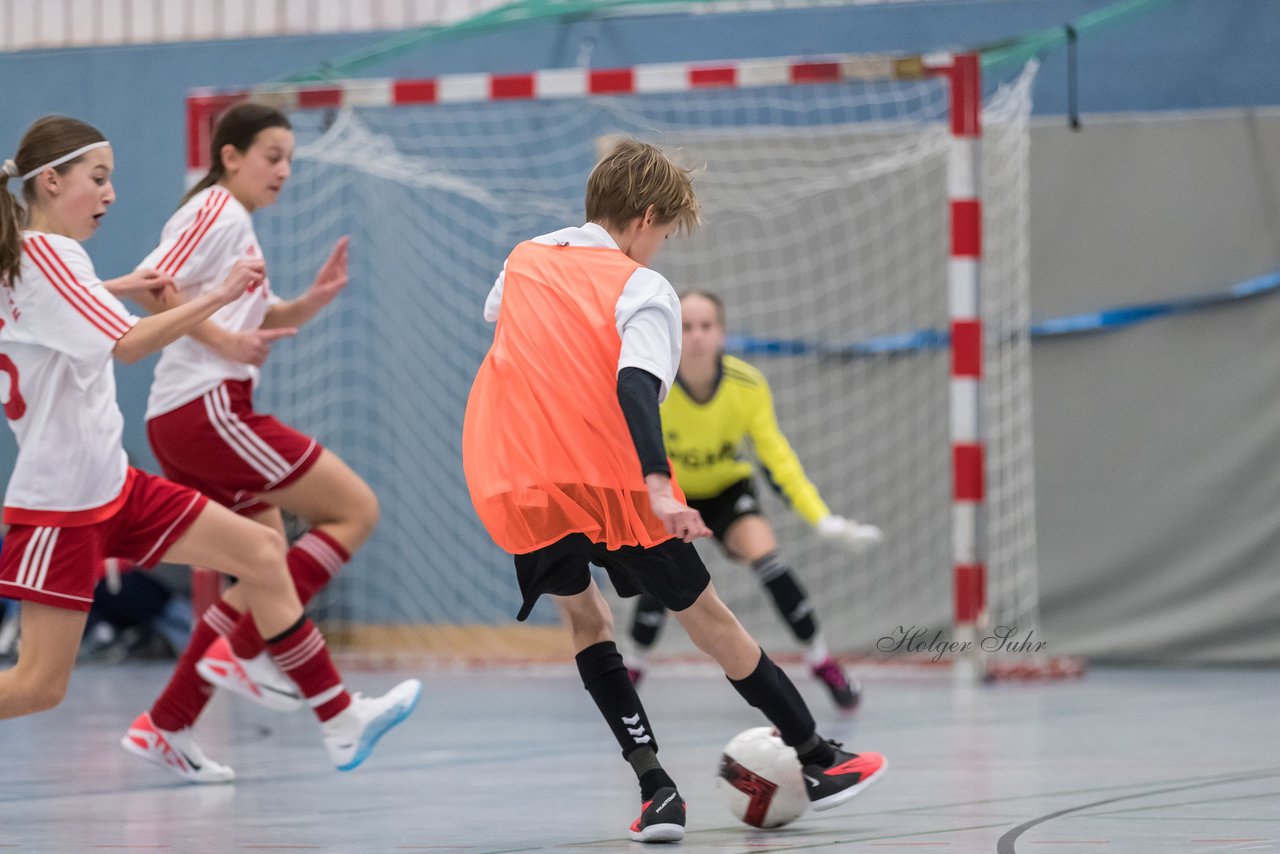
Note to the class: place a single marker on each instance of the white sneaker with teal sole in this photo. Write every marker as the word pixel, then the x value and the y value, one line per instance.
pixel 351 735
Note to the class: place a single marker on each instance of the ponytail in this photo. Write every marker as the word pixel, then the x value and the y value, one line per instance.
pixel 10 228
pixel 213 176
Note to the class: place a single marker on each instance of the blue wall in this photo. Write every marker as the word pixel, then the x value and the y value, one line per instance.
pixel 1194 54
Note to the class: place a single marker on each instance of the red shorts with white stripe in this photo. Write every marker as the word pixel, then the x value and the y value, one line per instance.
pixel 60 566
pixel 220 446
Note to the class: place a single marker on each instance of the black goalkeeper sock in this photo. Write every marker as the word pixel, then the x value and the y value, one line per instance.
pixel 788 596
pixel 647 621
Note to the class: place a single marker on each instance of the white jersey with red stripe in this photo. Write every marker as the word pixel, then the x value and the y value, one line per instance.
pixel 200 244
pixel 58 327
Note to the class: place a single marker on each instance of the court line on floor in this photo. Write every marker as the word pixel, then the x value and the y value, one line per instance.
pixel 1192 781
pixel 1113 817
pixel 1191 803
pixel 536 753
pixel 1007 844
pixel 748 849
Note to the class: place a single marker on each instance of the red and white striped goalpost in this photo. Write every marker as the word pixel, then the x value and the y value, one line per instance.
pixel 962 73
pixel 968 448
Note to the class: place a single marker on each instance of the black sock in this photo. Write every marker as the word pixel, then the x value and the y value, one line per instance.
pixel 816 751
pixel 787 594
pixel 605 678
pixel 647 621
pixel 770 691
pixel 652 781
pixel 650 773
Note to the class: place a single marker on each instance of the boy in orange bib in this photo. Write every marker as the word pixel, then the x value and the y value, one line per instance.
pixel 563 452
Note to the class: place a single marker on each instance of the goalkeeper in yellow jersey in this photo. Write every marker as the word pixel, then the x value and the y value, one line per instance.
pixel 717 402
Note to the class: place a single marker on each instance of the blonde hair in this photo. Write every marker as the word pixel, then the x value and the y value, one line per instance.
pixel 45 141
pixel 634 175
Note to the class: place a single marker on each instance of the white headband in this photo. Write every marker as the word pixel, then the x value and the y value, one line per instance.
pixel 10 168
pixel 64 158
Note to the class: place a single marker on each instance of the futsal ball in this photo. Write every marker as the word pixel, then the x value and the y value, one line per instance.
pixel 760 778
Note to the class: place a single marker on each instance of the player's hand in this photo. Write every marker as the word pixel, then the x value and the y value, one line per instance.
pixel 680 519
pixel 850 534
pixel 159 285
pixel 252 346
pixel 246 273
pixel 332 277
pixel 677 517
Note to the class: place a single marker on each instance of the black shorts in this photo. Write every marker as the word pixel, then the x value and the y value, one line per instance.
pixel 671 572
pixel 721 511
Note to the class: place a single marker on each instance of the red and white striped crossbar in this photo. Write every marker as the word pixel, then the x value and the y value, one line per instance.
pixel 204 106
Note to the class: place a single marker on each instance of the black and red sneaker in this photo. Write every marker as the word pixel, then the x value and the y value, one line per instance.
pixel 845 691
pixel 848 776
pixel 661 819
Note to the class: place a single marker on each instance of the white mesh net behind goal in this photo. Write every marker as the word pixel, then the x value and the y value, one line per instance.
pixel 826 226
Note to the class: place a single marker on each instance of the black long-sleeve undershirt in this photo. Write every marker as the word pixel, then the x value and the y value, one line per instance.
pixel 638 395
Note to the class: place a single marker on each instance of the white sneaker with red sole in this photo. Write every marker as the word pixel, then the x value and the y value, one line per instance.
pixel 176 752
pixel 258 679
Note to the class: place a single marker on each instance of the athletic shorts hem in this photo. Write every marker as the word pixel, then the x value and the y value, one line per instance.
pixel 180 526
pixel 298 469
pixel 671 571
pixel 9 590
pixel 736 501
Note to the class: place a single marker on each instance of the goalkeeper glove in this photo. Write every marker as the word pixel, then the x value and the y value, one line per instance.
pixel 849 533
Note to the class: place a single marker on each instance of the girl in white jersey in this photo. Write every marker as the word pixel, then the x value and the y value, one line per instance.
pixel 73 500
pixel 200 416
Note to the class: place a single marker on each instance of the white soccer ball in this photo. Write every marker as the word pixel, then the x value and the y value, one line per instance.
pixel 760 778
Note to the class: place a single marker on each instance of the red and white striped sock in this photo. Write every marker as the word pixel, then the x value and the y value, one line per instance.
pixel 186 695
pixel 313 562
pixel 302 654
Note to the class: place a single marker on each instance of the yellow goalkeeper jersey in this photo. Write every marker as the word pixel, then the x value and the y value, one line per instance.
pixel 706 441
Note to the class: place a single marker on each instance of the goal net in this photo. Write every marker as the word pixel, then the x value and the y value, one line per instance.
pixel 825 189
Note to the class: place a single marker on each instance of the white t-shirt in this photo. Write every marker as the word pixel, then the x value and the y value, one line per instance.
pixel 647 313
pixel 200 244
pixel 58 326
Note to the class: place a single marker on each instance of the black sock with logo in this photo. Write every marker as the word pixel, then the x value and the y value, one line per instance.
pixel 788 596
pixel 605 678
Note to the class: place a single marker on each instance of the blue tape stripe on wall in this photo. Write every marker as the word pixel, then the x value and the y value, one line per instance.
pixel 1107 320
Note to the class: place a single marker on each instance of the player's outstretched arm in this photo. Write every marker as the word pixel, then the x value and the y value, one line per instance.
pixel 329 282
pixel 777 455
pixel 156 292
pixel 145 287
pixel 159 330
